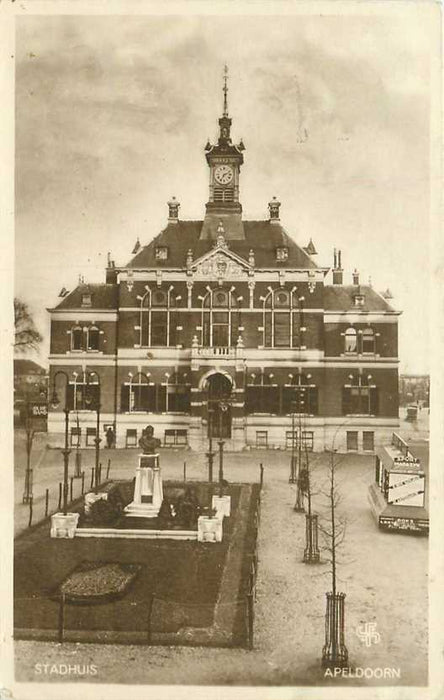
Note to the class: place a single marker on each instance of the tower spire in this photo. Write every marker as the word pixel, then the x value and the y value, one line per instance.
pixel 225 91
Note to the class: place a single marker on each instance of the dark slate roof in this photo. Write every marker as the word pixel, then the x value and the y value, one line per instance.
pixel 261 236
pixel 22 366
pixel 103 296
pixel 338 297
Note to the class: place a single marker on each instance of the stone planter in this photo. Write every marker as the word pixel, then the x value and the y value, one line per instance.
pixel 209 529
pixel 64 525
pixel 91 498
pixel 222 505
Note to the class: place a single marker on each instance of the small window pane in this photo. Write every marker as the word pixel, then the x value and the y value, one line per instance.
pixel 75 437
pixel 261 438
pixel 77 337
pixel 93 339
pixel 350 340
pixel 368 440
pixel 352 440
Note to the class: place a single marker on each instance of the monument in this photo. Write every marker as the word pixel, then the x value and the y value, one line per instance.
pixel 148 491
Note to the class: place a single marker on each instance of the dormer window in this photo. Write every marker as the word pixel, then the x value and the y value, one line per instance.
pixel 359 299
pixel 281 253
pixel 162 253
pixel 86 299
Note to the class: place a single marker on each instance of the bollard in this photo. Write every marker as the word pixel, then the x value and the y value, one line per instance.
pixel 107 469
pixel 71 488
pixel 60 497
pixel 30 511
pixel 61 618
pixel 46 502
pixel 184 472
pixel 261 477
pixel 83 483
pixel 150 611
pixel 99 475
pixel 92 477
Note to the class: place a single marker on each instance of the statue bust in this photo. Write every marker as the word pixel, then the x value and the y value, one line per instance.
pixel 148 442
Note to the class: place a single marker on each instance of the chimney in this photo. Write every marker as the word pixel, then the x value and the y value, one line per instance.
pixel 273 207
pixel 338 272
pixel 111 272
pixel 355 277
pixel 173 211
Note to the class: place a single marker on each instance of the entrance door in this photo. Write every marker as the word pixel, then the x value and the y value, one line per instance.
pixel 219 406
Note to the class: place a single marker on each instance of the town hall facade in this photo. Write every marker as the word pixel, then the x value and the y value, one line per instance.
pixel 226 327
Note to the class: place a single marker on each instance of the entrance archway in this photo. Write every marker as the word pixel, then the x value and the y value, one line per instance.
pixel 219 389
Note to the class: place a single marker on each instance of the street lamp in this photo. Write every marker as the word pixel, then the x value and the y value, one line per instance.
pixel 223 406
pixel 210 454
pixel 299 504
pixel 55 401
pixel 97 441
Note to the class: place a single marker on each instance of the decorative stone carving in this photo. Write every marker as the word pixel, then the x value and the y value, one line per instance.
pixel 64 525
pixel 209 529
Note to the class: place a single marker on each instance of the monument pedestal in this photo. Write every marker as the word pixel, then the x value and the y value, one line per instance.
pixel 148 491
pixel 209 529
pixel 222 505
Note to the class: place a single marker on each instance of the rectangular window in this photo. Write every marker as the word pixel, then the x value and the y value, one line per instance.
pixel 178 398
pixel 262 399
pixel 76 434
pixel 368 440
pixel 90 437
pixel 131 437
pixel 220 329
pixel 352 440
pixel 174 437
pixel 307 440
pixel 297 340
pixel 268 331
pixel 261 438
pixel 291 439
pixel 281 330
pixel 158 328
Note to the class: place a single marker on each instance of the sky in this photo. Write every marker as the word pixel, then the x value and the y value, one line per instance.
pixel 113 113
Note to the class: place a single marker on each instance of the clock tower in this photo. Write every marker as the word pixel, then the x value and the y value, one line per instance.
pixel 224 160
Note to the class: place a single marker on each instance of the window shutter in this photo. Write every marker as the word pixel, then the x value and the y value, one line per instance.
pixel 374 401
pixel 124 398
pixel 346 400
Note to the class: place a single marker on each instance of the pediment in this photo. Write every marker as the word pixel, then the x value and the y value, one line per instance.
pixel 220 263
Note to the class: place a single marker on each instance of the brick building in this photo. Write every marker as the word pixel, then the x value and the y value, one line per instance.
pixel 226 326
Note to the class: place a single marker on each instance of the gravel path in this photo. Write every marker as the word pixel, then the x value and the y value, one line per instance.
pixel 383 575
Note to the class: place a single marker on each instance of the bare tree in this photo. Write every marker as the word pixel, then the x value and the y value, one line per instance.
pixel 27 337
pixel 333 529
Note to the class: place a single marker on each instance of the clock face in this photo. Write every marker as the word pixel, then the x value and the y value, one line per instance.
pixel 223 174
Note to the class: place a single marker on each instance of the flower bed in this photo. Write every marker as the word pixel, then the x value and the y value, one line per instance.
pixel 98 582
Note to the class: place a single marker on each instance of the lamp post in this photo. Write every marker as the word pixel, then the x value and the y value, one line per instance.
pixel 97 441
pixel 210 453
pixel 292 477
pixel 299 503
pixel 66 451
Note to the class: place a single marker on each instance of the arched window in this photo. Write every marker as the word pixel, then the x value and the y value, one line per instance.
pixel 261 394
pixel 93 337
pixel 220 318
pixel 300 395
pixel 368 341
pixel 283 319
pixel 360 396
pixel 83 392
pixel 138 394
pixel 77 338
pixel 351 342
pixel 177 395
pixel 158 320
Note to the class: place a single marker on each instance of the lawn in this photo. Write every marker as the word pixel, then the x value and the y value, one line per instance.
pixel 184 576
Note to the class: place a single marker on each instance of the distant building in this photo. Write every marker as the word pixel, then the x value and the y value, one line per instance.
pixel 227 327
pixel 414 388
